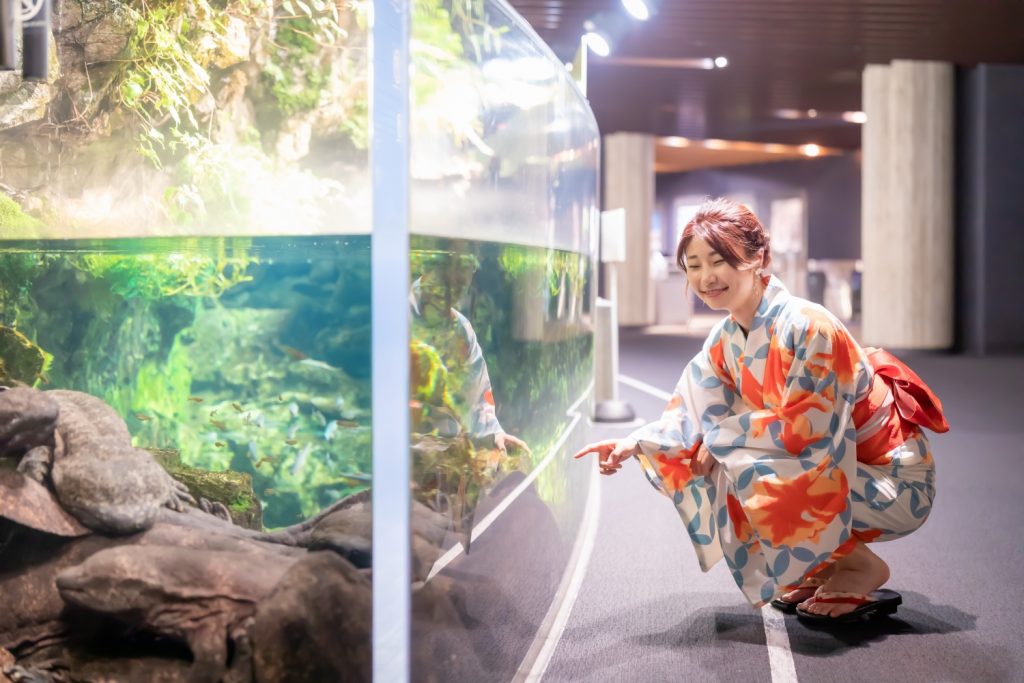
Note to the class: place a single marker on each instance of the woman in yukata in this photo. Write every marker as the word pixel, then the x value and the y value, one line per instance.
pixel 786 447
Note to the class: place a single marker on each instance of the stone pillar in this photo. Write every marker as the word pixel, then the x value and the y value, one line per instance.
pixel 629 184
pixel 907 216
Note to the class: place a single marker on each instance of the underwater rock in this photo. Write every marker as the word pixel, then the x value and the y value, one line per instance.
pixel 6 660
pixel 20 359
pixel 201 597
pixel 441 651
pixel 29 503
pixel 231 489
pixel 347 529
pixel 316 624
pixel 33 611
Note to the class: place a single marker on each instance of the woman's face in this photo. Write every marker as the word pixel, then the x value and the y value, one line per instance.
pixel 718 284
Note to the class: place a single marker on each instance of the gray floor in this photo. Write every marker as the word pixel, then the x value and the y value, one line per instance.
pixel 647 613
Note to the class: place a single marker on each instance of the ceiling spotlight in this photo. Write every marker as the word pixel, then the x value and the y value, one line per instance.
pixel 855 117
pixel 811 150
pixel 597 43
pixel 637 8
pixel 721 62
pixel 812 113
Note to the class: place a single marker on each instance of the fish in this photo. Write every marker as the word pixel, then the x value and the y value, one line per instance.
pixel 269 492
pixel 293 352
pixel 196 399
pixel 291 442
pixel 300 459
pixel 214 412
pixel 347 424
pixel 237 407
pixel 142 417
pixel 280 398
pixel 219 444
pixel 319 418
pixel 293 430
pixel 219 425
pixel 293 408
pixel 265 459
pixel 317 364
pixel 330 431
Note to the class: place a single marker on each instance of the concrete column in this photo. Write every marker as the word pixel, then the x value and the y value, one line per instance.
pixel 907 216
pixel 629 184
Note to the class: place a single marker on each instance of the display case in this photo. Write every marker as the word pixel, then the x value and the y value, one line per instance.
pixel 295 325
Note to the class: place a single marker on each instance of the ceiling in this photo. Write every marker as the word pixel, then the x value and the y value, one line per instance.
pixel 786 57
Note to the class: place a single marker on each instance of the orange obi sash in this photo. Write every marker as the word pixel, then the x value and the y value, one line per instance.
pixel 914 400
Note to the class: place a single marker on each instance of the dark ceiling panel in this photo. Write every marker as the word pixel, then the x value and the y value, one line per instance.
pixel 783 54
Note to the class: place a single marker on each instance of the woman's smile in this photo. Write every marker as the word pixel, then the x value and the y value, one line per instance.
pixel 714 292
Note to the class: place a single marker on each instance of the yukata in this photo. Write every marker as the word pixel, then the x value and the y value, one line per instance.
pixel 467 383
pixel 814 447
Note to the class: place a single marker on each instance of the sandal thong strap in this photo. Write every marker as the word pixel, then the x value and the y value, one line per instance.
pixel 838 598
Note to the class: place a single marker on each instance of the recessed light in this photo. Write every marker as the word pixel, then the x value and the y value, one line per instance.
pixel 637 8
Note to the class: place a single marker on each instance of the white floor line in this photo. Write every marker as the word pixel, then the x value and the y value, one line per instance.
pixel 645 387
pixel 780 656
pixel 537 658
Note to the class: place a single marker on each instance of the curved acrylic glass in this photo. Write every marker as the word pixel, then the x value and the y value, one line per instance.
pixel 503 199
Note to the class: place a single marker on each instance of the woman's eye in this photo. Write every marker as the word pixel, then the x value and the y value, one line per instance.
pixel 718 262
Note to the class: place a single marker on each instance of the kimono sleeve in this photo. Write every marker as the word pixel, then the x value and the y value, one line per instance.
pixel 476 389
pixel 703 395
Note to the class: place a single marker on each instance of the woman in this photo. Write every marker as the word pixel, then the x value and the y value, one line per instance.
pixel 786 447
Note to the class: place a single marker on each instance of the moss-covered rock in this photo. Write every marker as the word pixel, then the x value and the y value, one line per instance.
pixel 233 489
pixel 20 359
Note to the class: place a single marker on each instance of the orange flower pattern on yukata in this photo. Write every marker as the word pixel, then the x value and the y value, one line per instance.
pixel 791 511
pixel 675 472
pixel 774 406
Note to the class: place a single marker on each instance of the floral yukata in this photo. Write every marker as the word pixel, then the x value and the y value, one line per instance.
pixel 814 446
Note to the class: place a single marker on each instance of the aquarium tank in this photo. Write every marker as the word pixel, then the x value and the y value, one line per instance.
pixel 186 341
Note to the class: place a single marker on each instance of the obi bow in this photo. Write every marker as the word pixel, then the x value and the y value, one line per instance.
pixel 914 400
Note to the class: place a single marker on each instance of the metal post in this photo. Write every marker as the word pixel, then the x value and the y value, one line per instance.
pixel 35 36
pixel 389 161
pixel 8 31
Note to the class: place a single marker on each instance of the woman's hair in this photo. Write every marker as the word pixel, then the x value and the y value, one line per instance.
pixel 731 229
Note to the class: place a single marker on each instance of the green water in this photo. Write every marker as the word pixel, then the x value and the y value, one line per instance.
pixel 253 355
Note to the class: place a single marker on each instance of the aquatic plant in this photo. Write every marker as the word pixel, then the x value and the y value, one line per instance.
pixel 188 271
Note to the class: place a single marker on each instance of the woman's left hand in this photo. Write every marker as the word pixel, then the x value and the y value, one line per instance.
pixel 702 463
pixel 503 440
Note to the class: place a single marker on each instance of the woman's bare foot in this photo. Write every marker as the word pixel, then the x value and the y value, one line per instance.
pixel 798 595
pixel 859 572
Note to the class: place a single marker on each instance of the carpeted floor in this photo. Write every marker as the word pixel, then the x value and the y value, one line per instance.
pixel 646 613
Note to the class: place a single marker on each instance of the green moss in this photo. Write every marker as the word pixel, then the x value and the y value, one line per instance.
pixel 14 222
pixel 20 359
pixel 231 489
